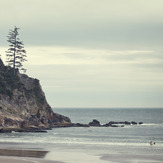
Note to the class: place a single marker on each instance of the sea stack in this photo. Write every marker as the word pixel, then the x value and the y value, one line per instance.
pixel 23 106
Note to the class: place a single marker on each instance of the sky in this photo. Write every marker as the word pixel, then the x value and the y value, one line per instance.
pixel 91 53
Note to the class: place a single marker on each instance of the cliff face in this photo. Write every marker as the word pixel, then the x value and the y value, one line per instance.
pixel 23 105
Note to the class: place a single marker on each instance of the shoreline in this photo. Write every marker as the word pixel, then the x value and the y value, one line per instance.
pixel 132 158
pixel 5 159
pixel 24 156
pixel 72 154
pixel 23 153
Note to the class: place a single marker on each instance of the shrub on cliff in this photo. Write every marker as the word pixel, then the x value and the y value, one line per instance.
pixel 8 81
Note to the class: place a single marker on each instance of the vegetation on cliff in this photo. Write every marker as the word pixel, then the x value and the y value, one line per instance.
pixel 16 53
pixel 8 81
pixel 15 56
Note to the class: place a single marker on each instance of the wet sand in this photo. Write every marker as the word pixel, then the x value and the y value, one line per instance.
pixel 68 153
pixel 23 156
pixel 85 156
pixel 4 159
pixel 110 158
pixel 23 153
pixel 130 158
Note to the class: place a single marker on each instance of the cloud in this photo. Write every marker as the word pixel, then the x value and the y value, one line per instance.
pixel 87 51
pixel 70 55
pixel 83 10
pixel 61 55
pixel 85 23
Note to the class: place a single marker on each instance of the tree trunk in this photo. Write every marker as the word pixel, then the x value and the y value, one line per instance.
pixel 14 55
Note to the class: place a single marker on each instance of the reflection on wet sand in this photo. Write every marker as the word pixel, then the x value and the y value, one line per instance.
pixel 23 153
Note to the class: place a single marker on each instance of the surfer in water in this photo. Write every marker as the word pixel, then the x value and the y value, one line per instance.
pixel 152 143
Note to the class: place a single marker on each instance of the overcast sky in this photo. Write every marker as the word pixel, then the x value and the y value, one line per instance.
pixel 91 53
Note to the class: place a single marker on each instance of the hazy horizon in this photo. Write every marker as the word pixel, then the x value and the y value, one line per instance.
pixel 107 107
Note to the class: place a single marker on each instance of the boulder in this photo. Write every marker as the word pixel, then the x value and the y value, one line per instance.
pixel 111 123
pixel 95 123
pixel 134 123
pixel 106 125
pixel 80 125
pixel 140 123
pixel 114 126
pixel 127 123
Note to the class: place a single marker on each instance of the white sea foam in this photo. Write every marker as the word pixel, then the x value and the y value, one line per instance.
pixel 152 124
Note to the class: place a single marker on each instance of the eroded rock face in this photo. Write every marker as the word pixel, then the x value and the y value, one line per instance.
pixel 23 104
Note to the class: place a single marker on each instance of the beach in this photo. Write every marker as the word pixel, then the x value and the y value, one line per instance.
pixel 128 144
pixel 23 156
pixel 126 158
pixel 24 160
pixel 74 154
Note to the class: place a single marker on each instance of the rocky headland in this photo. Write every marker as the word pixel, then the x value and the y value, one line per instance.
pixel 23 106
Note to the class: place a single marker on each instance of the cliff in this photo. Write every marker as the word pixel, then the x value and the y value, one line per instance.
pixel 23 106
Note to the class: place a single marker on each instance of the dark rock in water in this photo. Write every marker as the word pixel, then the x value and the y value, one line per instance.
pixel 114 126
pixel 123 122
pixel 110 124
pixel 134 123
pixel 106 125
pixel 140 123
pixel 127 123
pixel 73 125
pixel 116 123
pixel 9 130
pixel 80 125
pixel 5 131
pixel 95 123
pixel 120 124
pixel 38 131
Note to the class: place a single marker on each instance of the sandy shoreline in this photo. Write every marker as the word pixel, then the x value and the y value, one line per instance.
pixel 78 154
pixel 23 156
pixel 4 159
pixel 110 158
pixel 132 158
pixel 23 153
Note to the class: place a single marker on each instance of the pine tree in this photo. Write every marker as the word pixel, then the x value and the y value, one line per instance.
pixel 16 54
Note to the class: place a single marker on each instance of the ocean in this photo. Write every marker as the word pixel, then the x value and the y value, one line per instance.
pixel 151 130
pixel 95 141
